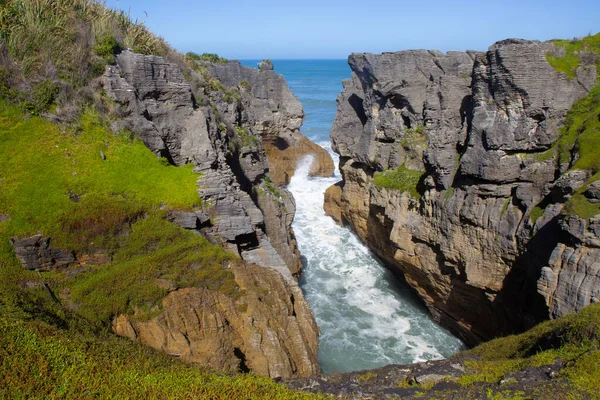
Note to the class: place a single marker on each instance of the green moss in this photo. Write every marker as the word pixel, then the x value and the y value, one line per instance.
pixel 505 206
pixel 448 193
pixel 579 205
pixel 536 213
pixel 366 377
pixel 401 179
pixel 573 50
pixel 244 84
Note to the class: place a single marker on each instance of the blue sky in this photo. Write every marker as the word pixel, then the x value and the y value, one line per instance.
pixel 336 28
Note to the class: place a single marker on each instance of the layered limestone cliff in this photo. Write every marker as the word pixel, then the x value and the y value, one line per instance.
pixel 185 115
pixel 274 113
pixel 444 159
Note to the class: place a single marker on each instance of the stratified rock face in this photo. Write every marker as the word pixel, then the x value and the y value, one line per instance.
pixel 276 115
pixel 269 330
pixel 473 123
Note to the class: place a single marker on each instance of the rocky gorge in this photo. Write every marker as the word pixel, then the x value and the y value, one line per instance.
pixel 146 244
pixel 469 176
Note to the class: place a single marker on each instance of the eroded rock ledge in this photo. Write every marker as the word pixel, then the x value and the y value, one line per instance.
pixel 474 124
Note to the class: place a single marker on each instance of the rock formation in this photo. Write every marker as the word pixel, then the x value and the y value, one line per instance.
pixel 268 330
pixel 276 115
pixel 476 127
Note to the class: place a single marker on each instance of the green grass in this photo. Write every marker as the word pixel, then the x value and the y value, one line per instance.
pixel 578 146
pixel 581 133
pixel 155 249
pixel 401 179
pixel 573 50
pixel 65 358
pixel 573 339
pixel 56 183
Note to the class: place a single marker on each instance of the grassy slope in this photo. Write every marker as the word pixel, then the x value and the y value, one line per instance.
pixel 50 352
pixel 56 183
pixel 58 355
pixel 573 339
pixel 568 62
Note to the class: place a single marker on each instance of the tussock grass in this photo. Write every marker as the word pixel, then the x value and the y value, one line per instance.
pixel 62 45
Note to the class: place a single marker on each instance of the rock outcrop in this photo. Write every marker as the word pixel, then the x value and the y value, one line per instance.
pixel 196 115
pixel 274 113
pixel 477 126
pixel 268 330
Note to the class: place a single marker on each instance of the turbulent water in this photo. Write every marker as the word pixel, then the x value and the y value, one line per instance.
pixel 367 318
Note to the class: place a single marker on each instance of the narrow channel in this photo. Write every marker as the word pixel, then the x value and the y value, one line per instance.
pixel 367 317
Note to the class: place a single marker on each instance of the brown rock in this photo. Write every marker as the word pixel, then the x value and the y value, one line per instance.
pixel 284 158
pixel 268 330
pixel 333 203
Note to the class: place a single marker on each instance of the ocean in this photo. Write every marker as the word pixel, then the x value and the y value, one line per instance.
pixel 367 318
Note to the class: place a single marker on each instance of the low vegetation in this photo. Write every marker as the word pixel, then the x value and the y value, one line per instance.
pixel 573 339
pixel 207 57
pixel 77 195
pixel 48 353
pixel 568 58
pixel 578 147
pixel 51 49
pixel 401 179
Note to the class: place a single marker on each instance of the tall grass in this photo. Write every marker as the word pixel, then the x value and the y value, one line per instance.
pixel 57 41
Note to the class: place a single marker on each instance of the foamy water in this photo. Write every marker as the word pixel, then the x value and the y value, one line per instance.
pixel 367 318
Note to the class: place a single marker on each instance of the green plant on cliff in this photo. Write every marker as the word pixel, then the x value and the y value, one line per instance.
pixel 207 57
pixel 578 146
pixel 76 194
pixel 568 58
pixel 401 179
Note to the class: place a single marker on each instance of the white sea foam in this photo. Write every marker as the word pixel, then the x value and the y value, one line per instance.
pixel 367 319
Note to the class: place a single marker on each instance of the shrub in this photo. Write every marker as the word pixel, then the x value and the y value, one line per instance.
pixel 207 57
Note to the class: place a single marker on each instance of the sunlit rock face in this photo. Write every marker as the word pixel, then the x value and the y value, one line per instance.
pixel 475 125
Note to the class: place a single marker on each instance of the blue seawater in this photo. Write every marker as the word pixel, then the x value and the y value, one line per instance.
pixel 366 316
